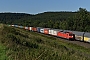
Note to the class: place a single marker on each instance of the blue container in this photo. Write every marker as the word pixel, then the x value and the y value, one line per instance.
pixel 21 26
pixel 38 29
pixel 16 25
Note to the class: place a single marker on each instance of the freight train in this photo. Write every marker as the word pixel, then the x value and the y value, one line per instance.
pixel 67 34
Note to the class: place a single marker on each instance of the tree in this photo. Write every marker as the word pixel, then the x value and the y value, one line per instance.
pixel 81 20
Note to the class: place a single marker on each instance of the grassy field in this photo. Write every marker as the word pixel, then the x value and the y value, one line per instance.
pixel 20 44
pixel 3 55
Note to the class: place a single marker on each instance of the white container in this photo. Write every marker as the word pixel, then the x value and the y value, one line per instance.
pixel 51 32
pixel 54 32
pixel 12 25
pixel 30 28
pixel 26 28
pixel 42 30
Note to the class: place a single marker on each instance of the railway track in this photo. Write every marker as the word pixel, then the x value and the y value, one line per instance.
pixel 84 44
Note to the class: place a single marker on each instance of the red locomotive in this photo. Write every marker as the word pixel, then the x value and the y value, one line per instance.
pixel 66 35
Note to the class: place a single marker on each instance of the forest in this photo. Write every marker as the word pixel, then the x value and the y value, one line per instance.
pixel 77 21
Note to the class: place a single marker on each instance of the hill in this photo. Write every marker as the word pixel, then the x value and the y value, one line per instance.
pixel 33 20
pixel 77 21
pixel 20 44
pixel 9 18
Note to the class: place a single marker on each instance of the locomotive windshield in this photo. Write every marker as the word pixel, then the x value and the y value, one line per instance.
pixel 70 34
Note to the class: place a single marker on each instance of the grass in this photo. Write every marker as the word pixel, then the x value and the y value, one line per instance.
pixel 3 55
pixel 20 44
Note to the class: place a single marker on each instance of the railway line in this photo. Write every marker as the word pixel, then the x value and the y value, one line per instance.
pixel 86 45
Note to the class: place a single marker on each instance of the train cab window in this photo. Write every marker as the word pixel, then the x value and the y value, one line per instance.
pixel 70 34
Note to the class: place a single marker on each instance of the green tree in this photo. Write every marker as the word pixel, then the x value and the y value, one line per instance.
pixel 81 20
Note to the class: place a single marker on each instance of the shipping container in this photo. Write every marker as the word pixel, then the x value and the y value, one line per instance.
pixel 46 30
pixel 30 28
pixel 38 29
pixel 21 27
pixel 42 30
pixel 26 28
pixel 16 25
pixel 55 31
pixel 51 31
pixel 87 37
pixel 34 29
pixel 12 25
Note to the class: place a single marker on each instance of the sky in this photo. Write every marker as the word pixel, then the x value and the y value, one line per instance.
pixel 40 6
